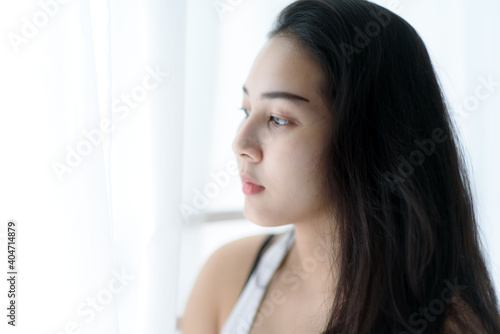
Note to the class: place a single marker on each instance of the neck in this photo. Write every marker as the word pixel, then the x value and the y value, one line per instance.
pixel 309 259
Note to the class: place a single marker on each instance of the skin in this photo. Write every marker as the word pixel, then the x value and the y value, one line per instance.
pixel 282 158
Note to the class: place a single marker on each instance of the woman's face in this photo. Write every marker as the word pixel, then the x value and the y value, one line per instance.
pixel 281 153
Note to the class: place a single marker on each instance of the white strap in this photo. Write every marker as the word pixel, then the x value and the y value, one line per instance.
pixel 242 316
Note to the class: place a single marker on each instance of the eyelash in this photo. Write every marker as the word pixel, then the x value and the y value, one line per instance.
pixel 271 118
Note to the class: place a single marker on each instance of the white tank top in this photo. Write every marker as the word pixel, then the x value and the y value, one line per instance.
pixel 244 311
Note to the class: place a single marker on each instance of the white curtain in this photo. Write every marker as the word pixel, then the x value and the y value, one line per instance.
pixel 112 111
pixel 91 138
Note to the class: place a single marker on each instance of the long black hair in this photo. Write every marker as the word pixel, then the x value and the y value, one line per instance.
pixel 394 176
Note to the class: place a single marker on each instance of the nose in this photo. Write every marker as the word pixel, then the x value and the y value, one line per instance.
pixel 246 144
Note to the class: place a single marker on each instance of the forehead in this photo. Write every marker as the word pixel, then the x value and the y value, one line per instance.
pixel 283 65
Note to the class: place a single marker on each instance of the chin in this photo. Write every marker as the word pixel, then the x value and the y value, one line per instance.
pixel 261 219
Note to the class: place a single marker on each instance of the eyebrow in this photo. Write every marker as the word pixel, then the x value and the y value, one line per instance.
pixel 278 95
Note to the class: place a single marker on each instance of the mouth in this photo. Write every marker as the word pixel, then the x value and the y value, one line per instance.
pixel 250 186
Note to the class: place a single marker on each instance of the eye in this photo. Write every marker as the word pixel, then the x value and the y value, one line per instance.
pixel 278 122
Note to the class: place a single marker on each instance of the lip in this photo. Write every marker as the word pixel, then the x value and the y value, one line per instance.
pixel 250 186
pixel 247 179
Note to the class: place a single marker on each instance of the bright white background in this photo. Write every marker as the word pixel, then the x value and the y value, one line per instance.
pixel 157 195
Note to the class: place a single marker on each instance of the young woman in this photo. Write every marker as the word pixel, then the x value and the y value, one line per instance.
pixel 348 138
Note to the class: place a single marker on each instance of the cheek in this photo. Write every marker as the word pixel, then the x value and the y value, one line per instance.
pixel 292 185
pixel 295 167
pixel 304 155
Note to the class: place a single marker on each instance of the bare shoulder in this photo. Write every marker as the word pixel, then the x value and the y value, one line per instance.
pixel 237 258
pixel 219 284
pixel 459 314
